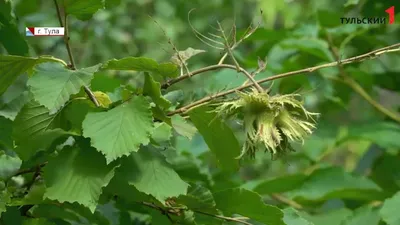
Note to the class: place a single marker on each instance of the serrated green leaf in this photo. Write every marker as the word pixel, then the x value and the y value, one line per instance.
pixel 291 217
pixel 153 89
pixel 32 120
pixel 198 198
pixel 8 165
pixel 364 215
pixel 148 171
pixel 77 174
pixel 280 184
pixel 13 66
pixel 334 182
pixel 142 64
pixel 390 209
pixel 182 127
pixel 82 9
pixel 249 204
pixel 34 128
pixel 52 84
pixel 218 136
pixel 121 130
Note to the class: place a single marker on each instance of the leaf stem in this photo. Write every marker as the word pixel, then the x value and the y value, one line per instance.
pixel 71 58
pixel 359 58
pixel 287 201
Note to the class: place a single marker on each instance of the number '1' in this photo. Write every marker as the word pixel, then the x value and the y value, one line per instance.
pixel 390 11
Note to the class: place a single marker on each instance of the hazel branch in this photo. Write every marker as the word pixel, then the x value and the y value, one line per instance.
pixel 71 58
pixel 366 56
pixel 353 84
pixel 167 211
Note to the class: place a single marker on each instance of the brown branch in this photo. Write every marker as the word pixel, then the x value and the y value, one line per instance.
pixel 29 170
pixel 166 211
pixel 359 58
pixel 227 219
pixel 71 58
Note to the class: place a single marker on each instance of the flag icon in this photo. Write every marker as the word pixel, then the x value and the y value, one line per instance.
pixel 29 32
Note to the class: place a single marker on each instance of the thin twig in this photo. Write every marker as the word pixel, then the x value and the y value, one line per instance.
pixel 286 201
pixel 238 68
pixel 173 47
pixel 228 219
pixel 353 84
pixel 167 210
pixel 71 58
pixel 359 58
pixel 249 31
pixel 29 170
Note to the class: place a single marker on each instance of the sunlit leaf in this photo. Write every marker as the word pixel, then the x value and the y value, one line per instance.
pixel 52 84
pixel 121 130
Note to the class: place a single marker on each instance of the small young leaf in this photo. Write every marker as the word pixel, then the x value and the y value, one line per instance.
pixel 185 55
pixel 103 99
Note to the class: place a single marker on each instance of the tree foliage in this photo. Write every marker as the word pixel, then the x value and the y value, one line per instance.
pixel 220 115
